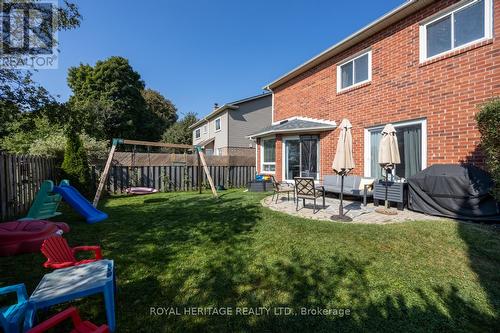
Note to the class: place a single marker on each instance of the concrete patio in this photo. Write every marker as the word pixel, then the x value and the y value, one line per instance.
pixel 353 209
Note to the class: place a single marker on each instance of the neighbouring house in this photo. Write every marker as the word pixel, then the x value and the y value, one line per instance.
pixel 425 67
pixel 225 130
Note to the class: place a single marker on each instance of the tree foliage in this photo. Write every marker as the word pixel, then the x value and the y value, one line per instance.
pixel 162 113
pixel 107 100
pixel 75 166
pixel 180 131
pixel 18 92
pixel 488 121
pixel 36 134
pixel 26 130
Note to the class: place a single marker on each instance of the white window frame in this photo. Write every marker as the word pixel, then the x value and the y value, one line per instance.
pixel 367 142
pixel 205 129
pixel 351 59
pixel 262 156
pixel 283 157
pixel 220 124
pixel 197 133
pixel 488 27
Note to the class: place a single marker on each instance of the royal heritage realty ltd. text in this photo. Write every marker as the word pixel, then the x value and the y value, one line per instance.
pixel 247 311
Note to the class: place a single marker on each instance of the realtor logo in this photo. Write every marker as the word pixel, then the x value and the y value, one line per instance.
pixel 29 34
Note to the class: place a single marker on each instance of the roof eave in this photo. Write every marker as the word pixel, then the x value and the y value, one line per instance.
pixel 213 114
pixel 296 130
pixel 383 22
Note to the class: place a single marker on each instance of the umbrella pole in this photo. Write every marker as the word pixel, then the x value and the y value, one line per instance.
pixel 386 191
pixel 341 207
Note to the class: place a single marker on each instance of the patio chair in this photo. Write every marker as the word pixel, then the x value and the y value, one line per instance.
pixel 281 188
pixel 60 255
pixel 12 316
pixel 305 189
pixel 79 326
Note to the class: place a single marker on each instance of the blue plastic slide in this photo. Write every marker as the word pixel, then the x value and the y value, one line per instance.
pixel 79 203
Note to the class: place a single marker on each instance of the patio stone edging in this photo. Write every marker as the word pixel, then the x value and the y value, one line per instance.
pixel 369 216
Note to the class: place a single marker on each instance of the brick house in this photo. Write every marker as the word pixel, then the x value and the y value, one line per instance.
pixel 425 67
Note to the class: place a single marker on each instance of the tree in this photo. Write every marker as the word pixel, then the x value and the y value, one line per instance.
pixel 162 114
pixel 18 92
pixel 75 166
pixel 107 99
pixel 180 131
pixel 27 129
pixel 488 121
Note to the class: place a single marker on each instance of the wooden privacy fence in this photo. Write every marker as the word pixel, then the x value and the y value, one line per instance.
pixel 173 178
pixel 20 179
pixel 22 175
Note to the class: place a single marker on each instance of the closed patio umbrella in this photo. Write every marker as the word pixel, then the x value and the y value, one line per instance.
pixel 343 162
pixel 388 154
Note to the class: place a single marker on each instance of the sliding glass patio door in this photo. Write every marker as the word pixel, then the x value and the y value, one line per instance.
pixel 411 144
pixel 292 158
pixel 301 158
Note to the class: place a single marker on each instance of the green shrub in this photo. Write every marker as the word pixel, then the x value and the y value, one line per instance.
pixel 75 166
pixel 488 121
pixel 50 146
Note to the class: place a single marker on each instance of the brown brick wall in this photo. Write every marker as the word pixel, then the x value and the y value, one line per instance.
pixel 446 91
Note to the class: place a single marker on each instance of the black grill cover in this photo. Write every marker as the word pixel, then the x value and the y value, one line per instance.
pixel 456 191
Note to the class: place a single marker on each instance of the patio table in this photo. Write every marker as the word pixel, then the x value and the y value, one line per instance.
pixel 67 284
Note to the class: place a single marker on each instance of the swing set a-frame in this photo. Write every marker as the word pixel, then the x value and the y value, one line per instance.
pixel 197 149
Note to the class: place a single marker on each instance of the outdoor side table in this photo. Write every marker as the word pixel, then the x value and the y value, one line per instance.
pixel 396 192
pixel 67 284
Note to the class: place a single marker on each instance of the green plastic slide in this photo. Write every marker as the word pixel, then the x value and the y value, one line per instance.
pixel 46 202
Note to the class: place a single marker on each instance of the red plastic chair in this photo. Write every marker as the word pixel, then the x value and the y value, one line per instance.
pixel 79 326
pixel 60 255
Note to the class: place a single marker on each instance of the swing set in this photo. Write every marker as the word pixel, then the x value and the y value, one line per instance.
pixel 138 190
pixel 148 144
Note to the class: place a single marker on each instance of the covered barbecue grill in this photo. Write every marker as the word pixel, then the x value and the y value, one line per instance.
pixel 455 191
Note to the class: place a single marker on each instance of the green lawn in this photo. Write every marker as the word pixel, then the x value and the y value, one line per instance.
pixel 189 250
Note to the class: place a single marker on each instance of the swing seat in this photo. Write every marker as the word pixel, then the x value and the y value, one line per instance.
pixel 140 190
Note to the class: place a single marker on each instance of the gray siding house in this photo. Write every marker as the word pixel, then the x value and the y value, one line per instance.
pixel 226 129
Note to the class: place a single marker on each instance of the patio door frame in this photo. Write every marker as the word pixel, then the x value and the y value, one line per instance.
pixel 283 155
pixel 367 141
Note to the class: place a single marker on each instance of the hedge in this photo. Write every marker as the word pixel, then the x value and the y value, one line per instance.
pixel 488 121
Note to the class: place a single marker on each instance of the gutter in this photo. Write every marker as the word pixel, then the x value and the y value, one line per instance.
pixel 232 105
pixel 310 129
pixel 213 114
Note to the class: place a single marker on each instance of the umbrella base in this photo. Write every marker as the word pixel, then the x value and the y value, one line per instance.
pixel 341 218
pixel 386 211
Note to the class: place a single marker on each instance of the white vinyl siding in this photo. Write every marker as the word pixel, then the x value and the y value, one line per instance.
pixel 464 24
pixel 355 71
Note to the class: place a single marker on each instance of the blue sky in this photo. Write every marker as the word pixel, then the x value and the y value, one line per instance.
pixel 200 52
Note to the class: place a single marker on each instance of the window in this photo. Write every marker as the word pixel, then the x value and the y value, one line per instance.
pixel 355 71
pixel 217 124
pixel 218 152
pixel 205 129
pixel 197 133
pixel 268 155
pixel 461 26
pixel 412 144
